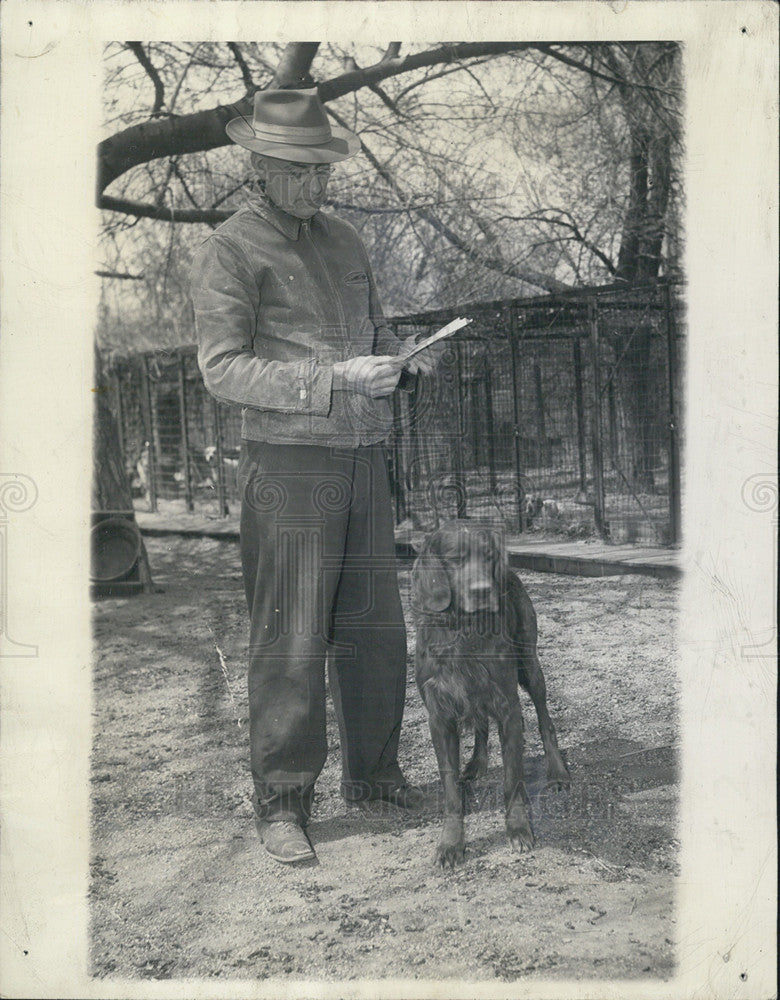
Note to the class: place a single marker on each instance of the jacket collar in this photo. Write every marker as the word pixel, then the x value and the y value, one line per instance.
pixel 287 224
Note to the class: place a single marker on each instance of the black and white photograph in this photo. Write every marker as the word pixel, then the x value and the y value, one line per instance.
pixel 415 560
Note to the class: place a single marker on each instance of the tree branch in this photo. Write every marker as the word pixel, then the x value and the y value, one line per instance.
pixel 437 76
pixel 347 206
pixel 246 74
pixel 154 76
pixel 571 226
pixel 386 99
pixel 577 64
pixel 294 66
pixel 618 79
pixel 447 53
pixel 350 64
pixel 119 276
pixel 528 275
pixel 204 130
pixel 185 185
pixel 142 210
pixel 180 84
pixel 391 52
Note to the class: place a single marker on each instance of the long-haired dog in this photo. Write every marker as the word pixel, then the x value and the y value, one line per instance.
pixel 476 639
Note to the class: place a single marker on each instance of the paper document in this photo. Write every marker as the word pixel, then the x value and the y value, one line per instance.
pixel 446 331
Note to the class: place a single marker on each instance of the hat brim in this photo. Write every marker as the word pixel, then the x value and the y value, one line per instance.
pixel 342 145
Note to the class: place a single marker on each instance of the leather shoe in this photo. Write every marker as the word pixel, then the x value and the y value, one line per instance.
pixel 285 841
pixel 401 795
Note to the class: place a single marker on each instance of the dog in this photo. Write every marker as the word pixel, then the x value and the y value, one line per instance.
pixel 476 639
pixel 536 506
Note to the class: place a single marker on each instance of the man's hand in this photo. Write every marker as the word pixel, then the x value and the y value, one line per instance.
pixel 426 361
pixel 370 375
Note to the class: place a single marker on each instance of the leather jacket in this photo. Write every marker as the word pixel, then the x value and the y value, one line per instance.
pixel 278 301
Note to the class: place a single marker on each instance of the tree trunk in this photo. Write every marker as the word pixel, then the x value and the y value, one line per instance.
pixel 639 260
pixel 635 222
pixel 294 66
pixel 110 486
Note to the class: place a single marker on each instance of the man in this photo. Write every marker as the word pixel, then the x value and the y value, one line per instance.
pixel 290 327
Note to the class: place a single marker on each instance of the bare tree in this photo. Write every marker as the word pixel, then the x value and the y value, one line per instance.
pixel 487 170
pixel 614 105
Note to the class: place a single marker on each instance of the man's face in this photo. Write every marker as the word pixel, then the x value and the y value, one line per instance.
pixel 297 188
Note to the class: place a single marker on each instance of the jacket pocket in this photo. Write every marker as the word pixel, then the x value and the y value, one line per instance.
pixel 356 278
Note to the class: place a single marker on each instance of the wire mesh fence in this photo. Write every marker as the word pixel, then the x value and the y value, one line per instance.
pixel 559 415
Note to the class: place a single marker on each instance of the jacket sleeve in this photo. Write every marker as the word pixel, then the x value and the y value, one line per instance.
pixel 225 292
pixel 385 341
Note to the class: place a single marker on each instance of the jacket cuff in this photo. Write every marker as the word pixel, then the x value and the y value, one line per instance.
pixel 315 392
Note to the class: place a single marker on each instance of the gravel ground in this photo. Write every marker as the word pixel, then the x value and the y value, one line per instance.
pixel 181 886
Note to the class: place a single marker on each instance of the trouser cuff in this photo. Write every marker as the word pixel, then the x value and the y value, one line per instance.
pixel 283 809
pixel 387 778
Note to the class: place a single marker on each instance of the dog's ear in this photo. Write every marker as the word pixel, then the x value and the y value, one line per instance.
pixel 430 584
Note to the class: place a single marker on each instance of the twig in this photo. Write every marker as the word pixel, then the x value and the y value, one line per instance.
pixel 119 276
pixel 246 74
pixel 159 91
pixel 223 668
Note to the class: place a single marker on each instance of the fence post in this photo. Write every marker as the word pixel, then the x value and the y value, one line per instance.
pixel 612 416
pixel 219 457
pixel 545 458
pixel 517 414
pixel 675 498
pixel 489 427
pixel 415 457
pixel 460 476
pixel 420 457
pixel 116 386
pixel 472 376
pixel 185 438
pixel 153 431
pixel 598 457
pixel 580 406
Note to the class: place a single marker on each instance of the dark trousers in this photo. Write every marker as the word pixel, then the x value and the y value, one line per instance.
pixel 318 557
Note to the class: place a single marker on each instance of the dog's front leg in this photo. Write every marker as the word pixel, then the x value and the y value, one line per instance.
pixel 446 743
pixel 478 765
pixel 518 826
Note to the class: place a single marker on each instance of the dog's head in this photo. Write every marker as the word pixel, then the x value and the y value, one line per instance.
pixel 461 566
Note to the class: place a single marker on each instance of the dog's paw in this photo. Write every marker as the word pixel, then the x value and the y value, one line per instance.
pixel 521 837
pixel 449 855
pixel 452 845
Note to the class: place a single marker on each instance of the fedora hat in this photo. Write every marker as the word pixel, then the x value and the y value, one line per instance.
pixel 292 125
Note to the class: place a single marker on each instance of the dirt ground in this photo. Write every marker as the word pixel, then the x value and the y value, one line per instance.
pixel 181 886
